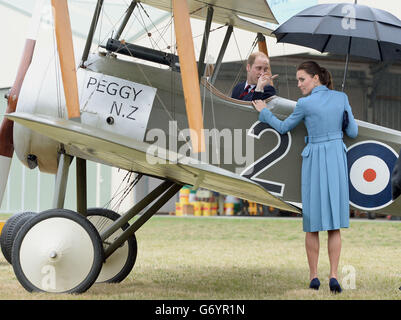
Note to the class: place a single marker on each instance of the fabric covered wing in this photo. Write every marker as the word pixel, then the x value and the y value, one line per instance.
pixel 129 154
pixel 227 12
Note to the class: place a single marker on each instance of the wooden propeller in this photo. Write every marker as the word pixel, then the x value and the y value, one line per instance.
pixel 7 126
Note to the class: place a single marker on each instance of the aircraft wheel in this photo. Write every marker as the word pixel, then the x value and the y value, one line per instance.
pixel 58 251
pixel 10 230
pixel 116 267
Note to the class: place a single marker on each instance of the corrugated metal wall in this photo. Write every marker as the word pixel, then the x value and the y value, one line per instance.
pixel 373 88
pixel 387 105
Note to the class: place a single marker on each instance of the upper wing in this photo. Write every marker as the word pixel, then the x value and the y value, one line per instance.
pixel 129 154
pixel 227 12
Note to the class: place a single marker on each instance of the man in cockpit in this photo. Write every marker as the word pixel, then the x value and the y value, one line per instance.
pixel 258 84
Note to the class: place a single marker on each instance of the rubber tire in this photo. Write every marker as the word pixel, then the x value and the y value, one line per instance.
pixel 132 244
pixel 98 252
pixel 10 230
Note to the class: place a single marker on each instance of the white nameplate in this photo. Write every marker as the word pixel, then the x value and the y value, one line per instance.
pixel 115 104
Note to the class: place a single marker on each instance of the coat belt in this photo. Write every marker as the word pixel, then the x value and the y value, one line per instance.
pixel 325 137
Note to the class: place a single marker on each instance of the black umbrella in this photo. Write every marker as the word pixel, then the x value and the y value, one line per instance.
pixel 345 28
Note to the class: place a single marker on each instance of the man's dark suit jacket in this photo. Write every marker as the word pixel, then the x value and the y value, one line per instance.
pixel 239 89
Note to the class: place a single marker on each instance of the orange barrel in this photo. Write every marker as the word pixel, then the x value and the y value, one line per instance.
pixel 214 208
pixel 229 209
pixel 252 208
pixel 178 209
pixel 206 207
pixel 197 208
pixel 184 195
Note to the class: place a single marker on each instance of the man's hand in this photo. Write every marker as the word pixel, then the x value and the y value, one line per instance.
pixel 264 80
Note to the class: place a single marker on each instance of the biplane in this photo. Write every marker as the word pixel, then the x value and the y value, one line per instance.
pixel 116 110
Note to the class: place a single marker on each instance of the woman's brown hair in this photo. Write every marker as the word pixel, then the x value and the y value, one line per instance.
pixel 312 68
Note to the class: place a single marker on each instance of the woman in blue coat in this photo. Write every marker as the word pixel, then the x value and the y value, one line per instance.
pixel 325 192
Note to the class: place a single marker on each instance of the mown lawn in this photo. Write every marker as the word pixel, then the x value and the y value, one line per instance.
pixel 200 258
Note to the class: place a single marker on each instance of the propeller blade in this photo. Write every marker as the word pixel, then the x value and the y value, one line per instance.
pixel 189 73
pixel 7 126
pixel 66 56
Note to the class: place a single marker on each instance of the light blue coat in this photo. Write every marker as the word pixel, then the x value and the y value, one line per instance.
pixel 325 191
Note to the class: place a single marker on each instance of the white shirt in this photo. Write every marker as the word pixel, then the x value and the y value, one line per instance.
pixel 252 86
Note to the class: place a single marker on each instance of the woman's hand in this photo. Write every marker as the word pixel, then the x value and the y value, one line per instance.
pixel 259 104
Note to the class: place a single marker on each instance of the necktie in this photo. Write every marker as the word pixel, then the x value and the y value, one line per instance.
pixel 246 91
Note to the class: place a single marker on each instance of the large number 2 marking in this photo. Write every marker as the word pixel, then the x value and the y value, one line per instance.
pixel 269 159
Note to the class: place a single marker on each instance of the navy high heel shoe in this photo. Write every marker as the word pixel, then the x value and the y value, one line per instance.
pixel 314 284
pixel 335 286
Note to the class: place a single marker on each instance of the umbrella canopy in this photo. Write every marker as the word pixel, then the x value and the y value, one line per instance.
pixel 369 32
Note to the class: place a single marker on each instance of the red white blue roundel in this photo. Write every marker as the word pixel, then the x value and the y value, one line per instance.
pixel 370 164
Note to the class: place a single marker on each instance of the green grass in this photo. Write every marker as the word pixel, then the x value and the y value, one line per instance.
pixel 243 258
pixel 5 216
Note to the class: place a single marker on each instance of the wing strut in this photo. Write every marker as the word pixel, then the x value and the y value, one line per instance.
pixel 221 54
pixel 128 14
pixel 91 32
pixel 189 73
pixel 263 48
pixel 201 62
pixel 66 56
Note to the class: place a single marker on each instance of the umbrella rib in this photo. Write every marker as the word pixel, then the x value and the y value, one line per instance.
pixel 376 30
pixel 326 43
pixel 321 20
pixel 380 50
pixel 378 40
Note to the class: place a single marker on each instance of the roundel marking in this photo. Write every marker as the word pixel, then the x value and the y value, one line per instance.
pixel 370 164
pixel 369 175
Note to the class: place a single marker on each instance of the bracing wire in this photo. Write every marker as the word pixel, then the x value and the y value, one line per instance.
pixel 122 192
pixel 236 79
pixel 160 100
pixel 151 21
pixel 57 72
pixel 286 73
pixel 118 197
pixel 140 18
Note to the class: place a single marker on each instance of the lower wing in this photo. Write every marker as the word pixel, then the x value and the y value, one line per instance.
pixel 124 152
